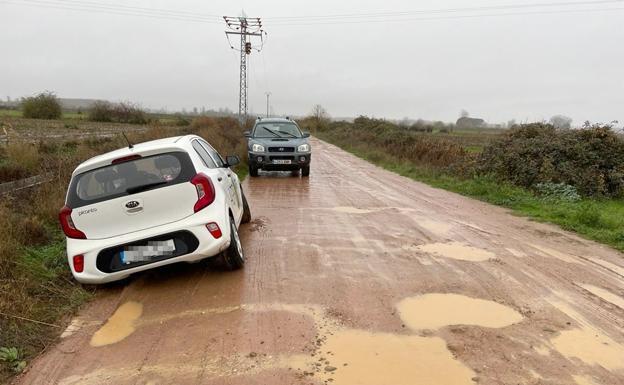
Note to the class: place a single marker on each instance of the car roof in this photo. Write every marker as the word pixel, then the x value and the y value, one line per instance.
pixel 145 148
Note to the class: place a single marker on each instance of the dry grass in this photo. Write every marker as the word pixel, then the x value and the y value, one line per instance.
pixel 35 281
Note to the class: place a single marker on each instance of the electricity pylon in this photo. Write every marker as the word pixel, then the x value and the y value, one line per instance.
pixel 247 28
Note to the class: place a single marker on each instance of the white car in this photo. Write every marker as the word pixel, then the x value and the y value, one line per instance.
pixel 153 204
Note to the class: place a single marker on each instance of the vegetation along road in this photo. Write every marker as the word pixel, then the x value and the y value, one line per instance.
pixel 357 275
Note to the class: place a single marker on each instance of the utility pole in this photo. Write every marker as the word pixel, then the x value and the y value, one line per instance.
pixel 268 95
pixel 247 28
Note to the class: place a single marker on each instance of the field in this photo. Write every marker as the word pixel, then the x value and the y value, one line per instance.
pixel 37 292
pixel 448 160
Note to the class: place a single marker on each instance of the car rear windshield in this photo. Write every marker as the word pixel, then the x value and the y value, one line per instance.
pixel 277 130
pixel 130 177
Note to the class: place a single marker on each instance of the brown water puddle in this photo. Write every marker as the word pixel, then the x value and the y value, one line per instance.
pixel 365 358
pixel 457 250
pixel 606 295
pixel 586 343
pixel 590 346
pixel 434 311
pixel 119 326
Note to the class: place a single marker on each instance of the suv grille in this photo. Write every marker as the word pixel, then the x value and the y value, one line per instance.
pixel 281 149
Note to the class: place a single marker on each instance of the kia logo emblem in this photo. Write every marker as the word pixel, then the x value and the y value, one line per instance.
pixel 132 204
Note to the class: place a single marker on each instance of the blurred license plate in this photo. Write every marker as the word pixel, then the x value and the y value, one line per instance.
pixel 282 161
pixel 153 249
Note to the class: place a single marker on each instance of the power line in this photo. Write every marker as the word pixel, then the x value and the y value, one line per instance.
pixel 278 19
pixel 115 10
pixel 412 19
pixel 350 18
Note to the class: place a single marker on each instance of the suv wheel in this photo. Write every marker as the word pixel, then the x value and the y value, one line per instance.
pixel 305 171
pixel 232 258
pixel 253 171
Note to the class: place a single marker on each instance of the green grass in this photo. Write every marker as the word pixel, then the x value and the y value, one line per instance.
pixel 596 219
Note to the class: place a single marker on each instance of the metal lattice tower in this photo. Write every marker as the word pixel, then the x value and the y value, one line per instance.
pixel 247 29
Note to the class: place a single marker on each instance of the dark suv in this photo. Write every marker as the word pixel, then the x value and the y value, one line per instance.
pixel 277 144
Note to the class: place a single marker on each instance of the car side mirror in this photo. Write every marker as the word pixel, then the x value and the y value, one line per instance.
pixel 247 134
pixel 232 160
pixel 306 134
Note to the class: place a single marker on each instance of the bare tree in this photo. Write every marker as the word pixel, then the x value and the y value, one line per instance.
pixel 561 121
pixel 320 116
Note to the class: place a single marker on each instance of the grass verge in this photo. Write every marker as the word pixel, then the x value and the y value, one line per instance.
pixel 601 220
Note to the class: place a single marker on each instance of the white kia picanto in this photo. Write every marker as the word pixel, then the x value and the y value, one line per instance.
pixel 153 204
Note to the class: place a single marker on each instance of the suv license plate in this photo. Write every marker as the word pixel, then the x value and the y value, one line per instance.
pixel 281 161
pixel 132 254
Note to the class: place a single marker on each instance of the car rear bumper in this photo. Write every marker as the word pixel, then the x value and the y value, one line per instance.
pixel 265 160
pixel 93 250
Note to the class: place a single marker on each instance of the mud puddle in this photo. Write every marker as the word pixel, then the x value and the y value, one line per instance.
pixel 365 358
pixel 434 311
pixel 119 326
pixel 605 295
pixel 586 343
pixel 457 250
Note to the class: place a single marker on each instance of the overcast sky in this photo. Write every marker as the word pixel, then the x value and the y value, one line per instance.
pixel 523 67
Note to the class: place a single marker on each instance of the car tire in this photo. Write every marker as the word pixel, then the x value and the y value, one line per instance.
pixel 305 171
pixel 253 171
pixel 232 258
pixel 246 210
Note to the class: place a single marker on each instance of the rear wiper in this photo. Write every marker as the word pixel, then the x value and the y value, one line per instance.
pixel 136 189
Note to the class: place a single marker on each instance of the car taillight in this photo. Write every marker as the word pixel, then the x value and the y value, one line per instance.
pixel 205 191
pixel 214 230
pixel 68 224
pixel 78 263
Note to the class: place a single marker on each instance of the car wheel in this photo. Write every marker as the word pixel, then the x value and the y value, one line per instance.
pixel 305 171
pixel 246 209
pixel 253 171
pixel 232 258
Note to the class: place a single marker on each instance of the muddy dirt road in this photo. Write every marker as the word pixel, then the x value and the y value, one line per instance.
pixel 360 276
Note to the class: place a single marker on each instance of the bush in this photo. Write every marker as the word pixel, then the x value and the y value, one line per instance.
pixel 590 159
pixel 124 112
pixel 379 134
pixel 43 106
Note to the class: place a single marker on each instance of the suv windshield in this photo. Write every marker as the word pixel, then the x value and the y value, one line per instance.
pixel 131 177
pixel 276 130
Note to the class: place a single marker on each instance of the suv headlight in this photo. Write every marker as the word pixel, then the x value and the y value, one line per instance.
pixel 304 148
pixel 257 147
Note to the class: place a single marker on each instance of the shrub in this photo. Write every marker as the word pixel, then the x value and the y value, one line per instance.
pixel 558 191
pixel 590 159
pixel 43 106
pixel 125 112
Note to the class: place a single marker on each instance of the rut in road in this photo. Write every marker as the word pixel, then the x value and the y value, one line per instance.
pixel 356 275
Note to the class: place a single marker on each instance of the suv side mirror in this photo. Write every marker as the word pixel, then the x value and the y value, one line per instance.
pixel 247 134
pixel 232 160
pixel 306 134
